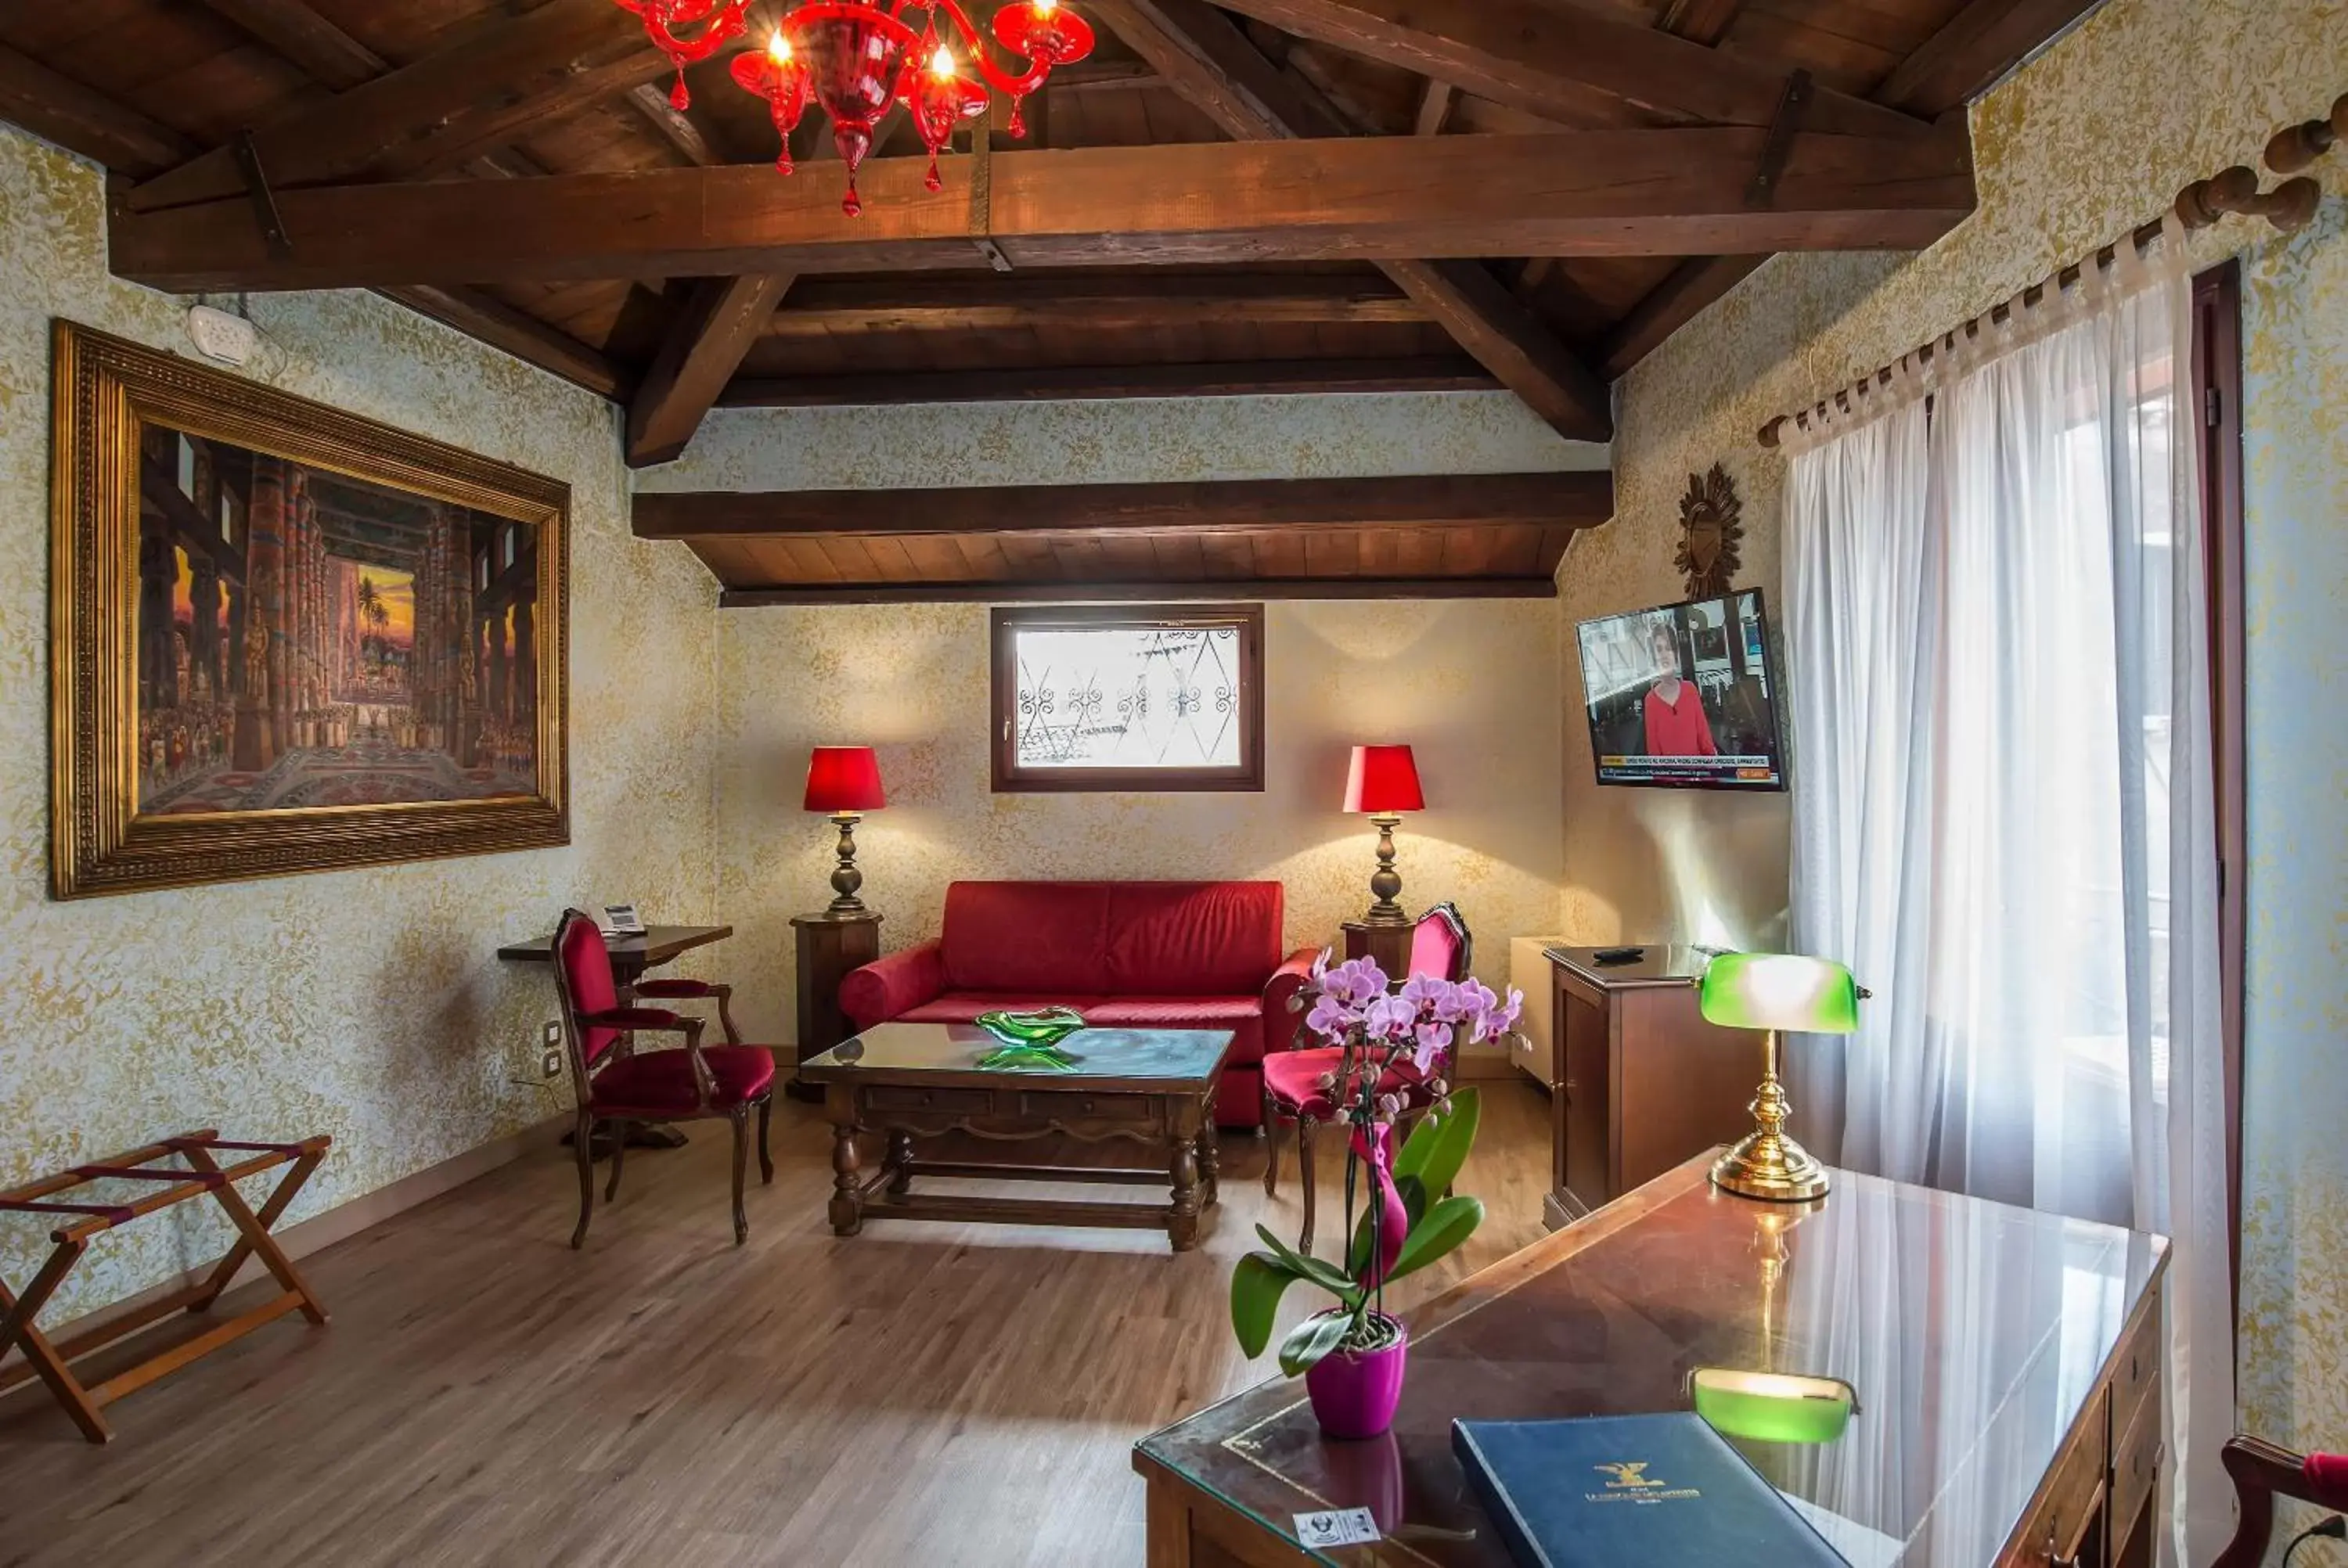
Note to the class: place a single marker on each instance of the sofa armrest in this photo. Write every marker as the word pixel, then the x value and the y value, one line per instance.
pixel 889 986
pixel 1283 1017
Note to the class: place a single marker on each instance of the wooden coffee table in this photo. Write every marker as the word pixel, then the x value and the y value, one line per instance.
pixel 1153 1086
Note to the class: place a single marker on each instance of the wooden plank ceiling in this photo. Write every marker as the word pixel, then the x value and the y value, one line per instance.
pixel 1259 195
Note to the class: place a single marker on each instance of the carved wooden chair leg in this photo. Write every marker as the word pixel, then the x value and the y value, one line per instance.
pixel 1271 1127
pixel 1304 1164
pixel 582 1141
pixel 618 1157
pixel 740 1117
pixel 766 1160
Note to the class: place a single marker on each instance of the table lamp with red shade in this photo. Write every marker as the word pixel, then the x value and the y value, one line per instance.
pixel 845 782
pixel 1382 783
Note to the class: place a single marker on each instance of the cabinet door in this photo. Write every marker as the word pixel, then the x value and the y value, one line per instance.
pixel 1585 1160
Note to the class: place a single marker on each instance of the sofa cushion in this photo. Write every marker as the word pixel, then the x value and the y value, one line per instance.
pixel 1191 938
pixel 962 1007
pixel 1244 1016
pixel 1026 935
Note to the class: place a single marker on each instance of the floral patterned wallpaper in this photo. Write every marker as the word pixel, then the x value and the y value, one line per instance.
pixel 366 1004
pixel 2091 139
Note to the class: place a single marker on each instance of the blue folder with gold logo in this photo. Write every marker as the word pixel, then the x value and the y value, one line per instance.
pixel 1625 1492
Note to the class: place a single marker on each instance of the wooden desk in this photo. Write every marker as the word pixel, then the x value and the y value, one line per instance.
pixel 631 956
pixel 2007 1364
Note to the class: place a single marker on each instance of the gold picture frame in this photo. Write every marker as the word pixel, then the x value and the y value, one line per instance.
pixel 294 723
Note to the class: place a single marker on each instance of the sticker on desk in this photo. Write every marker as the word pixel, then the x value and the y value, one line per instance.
pixel 1336 1527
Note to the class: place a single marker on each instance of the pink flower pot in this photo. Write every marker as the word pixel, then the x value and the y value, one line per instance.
pixel 1355 1393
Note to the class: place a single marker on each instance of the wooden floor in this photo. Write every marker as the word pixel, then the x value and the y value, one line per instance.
pixel 923 1393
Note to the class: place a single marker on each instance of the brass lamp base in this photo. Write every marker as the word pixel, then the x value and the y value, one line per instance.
pixel 1765 1163
pixel 1770 1166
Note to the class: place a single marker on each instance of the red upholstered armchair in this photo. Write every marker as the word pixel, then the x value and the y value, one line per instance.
pixel 1440 945
pixel 2262 1472
pixel 618 1084
pixel 1127 954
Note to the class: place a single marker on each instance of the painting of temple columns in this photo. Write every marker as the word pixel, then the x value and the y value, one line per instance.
pixel 309 639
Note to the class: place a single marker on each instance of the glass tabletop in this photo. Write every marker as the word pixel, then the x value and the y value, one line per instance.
pixel 1142 1058
pixel 1974 1334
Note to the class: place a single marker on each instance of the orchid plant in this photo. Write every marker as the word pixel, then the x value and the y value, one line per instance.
pixel 1395 1048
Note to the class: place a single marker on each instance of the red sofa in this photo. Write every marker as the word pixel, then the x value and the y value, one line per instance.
pixel 1162 955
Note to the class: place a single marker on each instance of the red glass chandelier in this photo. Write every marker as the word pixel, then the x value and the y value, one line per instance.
pixel 854 57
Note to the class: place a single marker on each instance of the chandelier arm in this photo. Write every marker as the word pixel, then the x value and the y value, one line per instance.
pixel 1018 86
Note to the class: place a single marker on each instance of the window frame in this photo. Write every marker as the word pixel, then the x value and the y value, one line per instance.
pixel 1009 777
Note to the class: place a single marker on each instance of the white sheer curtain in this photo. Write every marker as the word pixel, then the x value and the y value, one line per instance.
pixel 2003 808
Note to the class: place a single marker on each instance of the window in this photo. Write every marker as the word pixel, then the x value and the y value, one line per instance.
pixel 1147 697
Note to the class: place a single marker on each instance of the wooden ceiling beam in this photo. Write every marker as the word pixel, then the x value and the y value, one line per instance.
pixel 1236 378
pixel 1640 192
pixel 1669 306
pixel 1973 50
pixel 703 351
pixel 1568 500
pixel 502 78
pixel 695 141
pixel 1212 62
pixel 83 120
pixel 1544 58
pixel 324 52
pixel 519 333
pixel 1705 22
pixel 1241 588
pixel 934 302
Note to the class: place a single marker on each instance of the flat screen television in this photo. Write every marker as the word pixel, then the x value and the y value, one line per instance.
pixel 1681 696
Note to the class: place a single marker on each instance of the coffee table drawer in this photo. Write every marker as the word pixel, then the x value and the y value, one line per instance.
pixel 1061 1105
pixel 963 1102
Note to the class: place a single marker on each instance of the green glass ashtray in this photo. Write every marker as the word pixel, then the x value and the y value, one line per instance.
pixel 1030 1039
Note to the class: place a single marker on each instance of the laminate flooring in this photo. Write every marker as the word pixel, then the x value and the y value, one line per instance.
pixel 923 1393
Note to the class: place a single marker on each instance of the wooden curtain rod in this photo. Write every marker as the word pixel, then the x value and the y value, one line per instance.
pixel 2290 207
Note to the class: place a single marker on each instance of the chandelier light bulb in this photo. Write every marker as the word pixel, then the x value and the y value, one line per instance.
pixel 779 49
pixel 1045 7
pixel 941 64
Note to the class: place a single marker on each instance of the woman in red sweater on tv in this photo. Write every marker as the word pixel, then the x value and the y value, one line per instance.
pixel 1676 726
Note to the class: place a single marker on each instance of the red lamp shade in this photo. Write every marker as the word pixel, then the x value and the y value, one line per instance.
pixel 843 778
pixel 1382 779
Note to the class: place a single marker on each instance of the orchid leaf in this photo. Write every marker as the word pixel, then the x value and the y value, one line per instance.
pixel 1312 1339
pixel 1447 1224
pixel 1438 1146
pixel 1327 1275
pixel 1257 1285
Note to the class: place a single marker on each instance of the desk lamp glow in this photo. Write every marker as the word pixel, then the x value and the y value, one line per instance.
pixel 1773 991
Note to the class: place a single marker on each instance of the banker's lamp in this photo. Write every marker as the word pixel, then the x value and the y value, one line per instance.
pixel 1773 991
pixel 1382 783
pixel 844 781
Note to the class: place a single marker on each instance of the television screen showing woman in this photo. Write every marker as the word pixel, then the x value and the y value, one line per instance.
pixel 1680 696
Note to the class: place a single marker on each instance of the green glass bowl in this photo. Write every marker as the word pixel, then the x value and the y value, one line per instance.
pixel 1045 1026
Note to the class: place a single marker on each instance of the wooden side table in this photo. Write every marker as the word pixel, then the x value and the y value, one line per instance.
pixel 830 945
pixel 1389 945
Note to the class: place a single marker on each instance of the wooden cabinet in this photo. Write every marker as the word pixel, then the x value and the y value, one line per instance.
pixel 1639 1083
pixel 829 948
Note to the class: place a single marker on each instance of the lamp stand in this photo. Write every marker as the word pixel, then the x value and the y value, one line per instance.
pixel 1765 1163
pixel 1385 881
pixel 845 878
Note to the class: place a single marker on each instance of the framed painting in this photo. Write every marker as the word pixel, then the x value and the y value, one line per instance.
pixel 285 639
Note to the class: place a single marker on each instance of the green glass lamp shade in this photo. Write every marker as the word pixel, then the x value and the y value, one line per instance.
pixel 1780 990
pixel 1772 1407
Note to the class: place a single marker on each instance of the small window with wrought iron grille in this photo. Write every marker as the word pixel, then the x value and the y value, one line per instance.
pixel 1145 697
